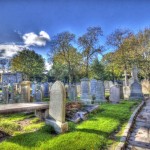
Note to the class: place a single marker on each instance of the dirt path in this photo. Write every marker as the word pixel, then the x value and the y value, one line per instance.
pixel 140 136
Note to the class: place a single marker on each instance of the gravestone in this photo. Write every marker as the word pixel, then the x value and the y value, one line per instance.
pixel 10 93
pixel 78 85
pixel 25 91
pixel 106 84
pixel 33 87
pixel 42 89
pixel 16 95
pixel 121 91
pixel 100 92
pixel 72 92
pixel 145 87
pixel 126 92
pixel 135 88
pixel 57 108
pixel 46 89
pixel 136 91
pixel 93 88
pixel 50 86
pixel 114 94
pixel 85 91
pixel 5 94
pixel 38 96
pixel 66 89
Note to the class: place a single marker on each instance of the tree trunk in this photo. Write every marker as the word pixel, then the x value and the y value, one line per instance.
pixel 87 68
pixel 69 72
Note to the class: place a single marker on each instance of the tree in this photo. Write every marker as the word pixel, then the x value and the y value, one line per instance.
pixel 63 52
pixel 89 42
pixel 132 50
pixel 28 62
pixel 117 37
pixel 116 40
pixel 144 49
pixel 112 68
pixel 75 61
pixel 97 70
pixel 59 71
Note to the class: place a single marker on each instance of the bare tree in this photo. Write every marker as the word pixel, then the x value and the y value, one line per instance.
pixel 89 42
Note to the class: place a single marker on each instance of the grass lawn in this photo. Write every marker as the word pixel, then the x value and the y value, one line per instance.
pixel 95 133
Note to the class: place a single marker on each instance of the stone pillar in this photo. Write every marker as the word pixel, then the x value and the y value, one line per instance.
pixel 85 91
pixel 25 91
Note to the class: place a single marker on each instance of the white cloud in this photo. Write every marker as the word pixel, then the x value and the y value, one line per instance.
pixel 48 66
pixel 9 50
pixel 32 39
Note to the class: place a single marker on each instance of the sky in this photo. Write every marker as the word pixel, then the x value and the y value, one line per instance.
pixel 32 23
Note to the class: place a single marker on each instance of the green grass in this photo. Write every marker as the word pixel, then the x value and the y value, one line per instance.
pixel 45 99
pixel 93 134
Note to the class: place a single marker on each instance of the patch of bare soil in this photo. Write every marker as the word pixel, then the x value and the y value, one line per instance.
pixel 3 136
pixel 24 122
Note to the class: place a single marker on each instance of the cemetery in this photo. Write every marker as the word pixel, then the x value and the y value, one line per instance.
pixel 75 75
pixel 71 111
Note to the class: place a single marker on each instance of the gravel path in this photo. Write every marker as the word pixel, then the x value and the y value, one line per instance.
pixel 140 136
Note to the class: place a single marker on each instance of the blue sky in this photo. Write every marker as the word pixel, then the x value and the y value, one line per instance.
pixel 23 21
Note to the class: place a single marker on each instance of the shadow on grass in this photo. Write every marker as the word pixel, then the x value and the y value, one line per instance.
pixel 98 132
pixel 33 139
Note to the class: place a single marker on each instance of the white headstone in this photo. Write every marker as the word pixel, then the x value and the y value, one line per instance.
pixel 57 107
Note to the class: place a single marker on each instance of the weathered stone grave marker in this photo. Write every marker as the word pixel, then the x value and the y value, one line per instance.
pixel 114 94
pixel 57 108
pixel 85 91
pixel 38 96
pixel 5 94
pixel 72 92
pixel 136 91
pixel 100 92
pixel 25 91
